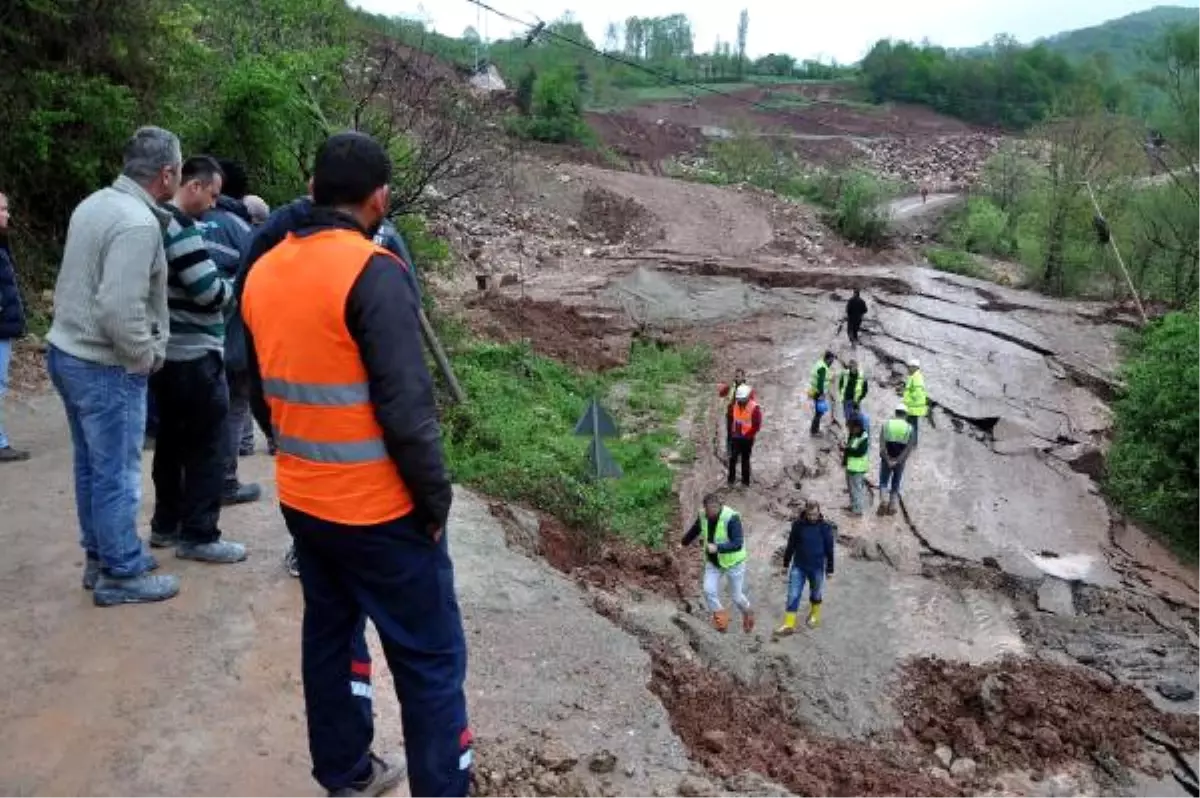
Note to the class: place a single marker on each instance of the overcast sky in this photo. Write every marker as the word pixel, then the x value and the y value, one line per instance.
pixel 841 29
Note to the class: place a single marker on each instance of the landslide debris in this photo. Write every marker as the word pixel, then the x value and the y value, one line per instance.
pixel 729 727
pixel 590 341
pixel 1021 714
pixel 615 219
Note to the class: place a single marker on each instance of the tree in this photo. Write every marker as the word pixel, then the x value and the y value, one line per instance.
pixel 1152 466
pixel 742 29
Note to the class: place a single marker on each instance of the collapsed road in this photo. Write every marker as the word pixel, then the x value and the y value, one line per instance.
pixel 1007 632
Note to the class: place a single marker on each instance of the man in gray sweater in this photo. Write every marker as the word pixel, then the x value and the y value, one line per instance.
pixel 109 334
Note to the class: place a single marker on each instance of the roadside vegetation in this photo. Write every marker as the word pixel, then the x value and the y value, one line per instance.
pixel 515 438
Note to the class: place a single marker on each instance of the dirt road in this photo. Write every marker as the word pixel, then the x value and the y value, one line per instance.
pixel 1005 548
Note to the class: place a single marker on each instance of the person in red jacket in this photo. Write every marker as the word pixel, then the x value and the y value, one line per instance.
pixel 742 422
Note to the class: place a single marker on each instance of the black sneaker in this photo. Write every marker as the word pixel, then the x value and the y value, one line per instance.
pixel 290 563
pixel 10 455
pixel 242 494
pixel 110 592
pixel 384 776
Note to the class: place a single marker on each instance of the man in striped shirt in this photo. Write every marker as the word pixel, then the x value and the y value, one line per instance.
pixel 192 397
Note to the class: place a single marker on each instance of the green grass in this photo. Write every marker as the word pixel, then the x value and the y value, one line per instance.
pixel 514 438
pixel 954 261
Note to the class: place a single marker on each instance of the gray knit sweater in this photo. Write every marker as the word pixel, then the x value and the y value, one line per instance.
pixel 110 301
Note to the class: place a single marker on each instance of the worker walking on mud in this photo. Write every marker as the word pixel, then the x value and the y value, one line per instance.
pixel 894 448
pixel 915 398
pixel 856 461
pixel 743 420
pixel 807 559
pixel 337 370
pixel 719 529
pixel 819 388
pixel 856 311
pixel 729 390
pixel 851 390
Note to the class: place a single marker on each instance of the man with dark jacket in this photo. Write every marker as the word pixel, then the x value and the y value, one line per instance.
pixel 807 558
pixel 227 234
pixel 856 310
pixel 337 369
pixel 12 327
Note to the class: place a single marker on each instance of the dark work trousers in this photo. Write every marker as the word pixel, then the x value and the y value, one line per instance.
pixel 853 325
pixel 239 411
pixel 915 423
pixel 397 576
pixel 739 450
pixel 192 404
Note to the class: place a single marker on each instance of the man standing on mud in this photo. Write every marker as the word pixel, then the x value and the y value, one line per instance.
pixel 856 462
pixel 915 398
pixel 719 528
pixel 856 311
pixel 818 390
pixel 337 370
pixel 743 420
pixel 894 448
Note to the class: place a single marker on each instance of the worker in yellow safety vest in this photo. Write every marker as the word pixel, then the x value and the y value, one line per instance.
pixel 916 401
pixel 719 529
pixel 856 461
pixel 818 390
pixel 851 390
pixel 895 445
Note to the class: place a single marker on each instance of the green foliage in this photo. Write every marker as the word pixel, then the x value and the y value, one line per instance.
pixel 1123 40
pixel 982 227
pixel 556 110
pixel 859 210
pixel 954 261
pixel 515 439
pixel 1152 471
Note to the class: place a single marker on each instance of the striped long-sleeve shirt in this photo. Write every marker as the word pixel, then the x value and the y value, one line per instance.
pixel 197 293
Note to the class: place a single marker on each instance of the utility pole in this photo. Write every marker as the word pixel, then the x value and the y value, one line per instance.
pixel 1120 262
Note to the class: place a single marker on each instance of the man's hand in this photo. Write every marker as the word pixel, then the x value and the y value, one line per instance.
pixel 435 533
pixel 711 548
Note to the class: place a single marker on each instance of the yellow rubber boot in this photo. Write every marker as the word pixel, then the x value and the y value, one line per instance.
pixel 814 616
pixel 789 625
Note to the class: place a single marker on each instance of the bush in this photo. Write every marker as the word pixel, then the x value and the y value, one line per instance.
pixel 515 438
pixel 859 212
pixel 954 261
pixel 556 110
pixel 1152 466
pixel 985 228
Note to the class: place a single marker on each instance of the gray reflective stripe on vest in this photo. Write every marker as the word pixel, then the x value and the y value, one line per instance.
pixel 316 393
pixel 349 452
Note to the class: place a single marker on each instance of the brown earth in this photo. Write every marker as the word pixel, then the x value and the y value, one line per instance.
pixel 617 218
pixel 1030 714
pixel 586 340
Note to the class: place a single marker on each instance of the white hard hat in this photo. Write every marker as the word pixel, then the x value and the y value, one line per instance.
pixel 902 408
pixel 914 363
pixel 742 392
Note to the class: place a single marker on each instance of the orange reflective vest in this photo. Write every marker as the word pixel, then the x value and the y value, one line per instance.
pixel 331 461
pixel 743 419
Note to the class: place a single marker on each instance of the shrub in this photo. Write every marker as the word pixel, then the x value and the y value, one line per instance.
pixel 859 212
pixel 954 261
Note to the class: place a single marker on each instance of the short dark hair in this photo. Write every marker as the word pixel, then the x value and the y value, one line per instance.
pixel 235 184
pixel 200 167
pixel 349 168
pixel 711 498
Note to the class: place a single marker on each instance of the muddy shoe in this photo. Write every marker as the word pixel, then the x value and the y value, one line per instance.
pixel 883 510
pixel 384 777
pixel 142 589
pixel 290 563
pixel 219 552
pixel 720 620
pixel 10 455
pixel 241 494
pixel 747 622
pixel 163 540
pixel 91 573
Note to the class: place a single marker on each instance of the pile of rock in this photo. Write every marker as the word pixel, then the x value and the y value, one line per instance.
pixel 944 163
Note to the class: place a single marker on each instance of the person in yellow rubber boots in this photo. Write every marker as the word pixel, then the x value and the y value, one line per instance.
pixel 856 461
pixel 819 388
pixel 895 444
pixel 916 401
pixel 808 558
pixel 719 529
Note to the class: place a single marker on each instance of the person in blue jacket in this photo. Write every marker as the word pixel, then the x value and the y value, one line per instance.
pixel 808 558
pixel 12 327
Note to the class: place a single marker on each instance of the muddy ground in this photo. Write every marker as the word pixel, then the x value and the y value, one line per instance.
pixel 593 667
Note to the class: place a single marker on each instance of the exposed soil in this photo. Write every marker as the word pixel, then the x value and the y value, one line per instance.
pixel 617 218
pixel 642 142
pixel 586 340
pixel 728 726
pixel 1030 714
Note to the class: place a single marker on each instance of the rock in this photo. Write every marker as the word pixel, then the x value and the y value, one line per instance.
pixel 963 769
pixel 695 786
pixel 567 179
pixel 1084 458
pixel 547 784
pixel 1173 691
pixel 1047 741
pixel 969 739
pixel 991 693
pixel 630 771
pixel 750 783
pixel 604 761
pixel 944 754
pixel 1055 596
pixel 1083 653
pixel 941 773
pixel 714 740
pixel 555 756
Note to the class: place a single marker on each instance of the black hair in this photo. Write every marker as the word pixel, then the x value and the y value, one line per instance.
pixel 711 498
pixel 349 167
pixel 236 184
pixel 200 167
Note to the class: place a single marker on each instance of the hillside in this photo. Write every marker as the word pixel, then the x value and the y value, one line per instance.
pixel 1124 38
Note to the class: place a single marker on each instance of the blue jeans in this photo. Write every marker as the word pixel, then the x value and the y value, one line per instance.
pixel 395 575
pixel 889 476
pixel 106 413
pixel 5 360
pixel 797 577
pixel 915 423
